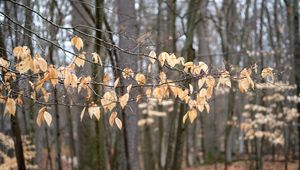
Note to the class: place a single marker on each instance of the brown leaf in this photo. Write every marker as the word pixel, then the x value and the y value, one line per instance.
pixel 47 118
pixel 77 42
pixel 152 57
pixel 118 123
pixel 97 59
pixel 192 114
pixel 53 75
pixel 10 107
pixel 80 60
pixel 109 100
pixel 112 118
pixel 82 113
pixel 123 100
pixel 140 78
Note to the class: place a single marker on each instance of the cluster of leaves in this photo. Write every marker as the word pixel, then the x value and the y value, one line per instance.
pixel 195 95
pixel 277 113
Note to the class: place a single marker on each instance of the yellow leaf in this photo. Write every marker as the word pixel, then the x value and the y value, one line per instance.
pixel 192 114
pixel 82 113
pixel 184 118
pixel 267 72
pixel 140 78
pixel 162 57
pixel 112 118
pixel 210 82
pixel 138 98
pixel 53 75
pixel 148 92
pixel 207 107
pixel 24 65
pixel 70 80
pixel 77 42
pixel 4 63
pixel 201 82
pixel 42 64
pixel 224 79
pixel 10 107
pixel 152 57
pixel 97 59
pixel 80 60
pixel 245 80
pixel 191 89
pixel 21 52
pixel 116 82
pixel 118 123
pixel 188 65
pixel 40 83
pixel 40 117
pixel 203 67
pixel 129 88
pixel 47 118
pixel 127 72
pixel 123 100
pixel 94 110
pixel 109 100
pixel 172 60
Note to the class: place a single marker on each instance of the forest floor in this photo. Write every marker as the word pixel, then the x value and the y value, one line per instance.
pixel 244 165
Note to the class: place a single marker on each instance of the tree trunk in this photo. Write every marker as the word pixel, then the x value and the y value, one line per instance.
pixel 127 25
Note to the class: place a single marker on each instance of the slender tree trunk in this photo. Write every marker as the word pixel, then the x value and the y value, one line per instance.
pixel 18 143
pixel 128 25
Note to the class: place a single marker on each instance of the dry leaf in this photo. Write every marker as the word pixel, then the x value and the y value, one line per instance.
pixel 4 63
pixel 129 88
pixel 77 42
pixel 21 52
pixel 267 72
pixel 94 110
pixel 117 82
pixel 224 79
pixel 148 92
pixel 80 60
pixel 40 117
pixel 109 100
pixel 70 80
pixel 10 107
pixel 162 57
pixel 47 118
pixel 96 58
pixel 43 115
pixel 191 89
pixel 82 113
pixel 124 100
pixel 112 118
pixel 184 118
pixel 53 75
pixel 152 57
pixel 172 60
pixel 127 72
pixel 245 80
pixel 201 82
pixel 24 65
pixel 192 114
pixel 140 78
pixel 118 123
pixel 42 64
